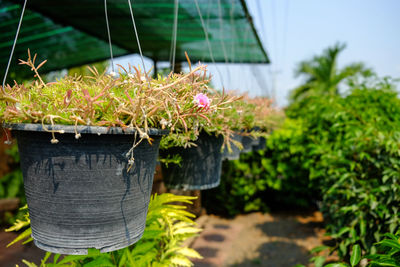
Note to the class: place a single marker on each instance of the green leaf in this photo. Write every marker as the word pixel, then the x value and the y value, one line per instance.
pixel 29 264
pixel 189 252
pixel 44 260
pixel 390 243
pixel 318 261
pixel 181 261
pixel 319 249
pixel 104 261
pixel 72 258
pixel 355 256
pixel 18 225
pixel 25 234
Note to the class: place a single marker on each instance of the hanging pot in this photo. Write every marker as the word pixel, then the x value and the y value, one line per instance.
pixel 80 193
pixel 235 151
pixel 200 167
pixel 247 143
pixel 260 144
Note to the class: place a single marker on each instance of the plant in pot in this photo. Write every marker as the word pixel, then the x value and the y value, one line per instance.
pixel 196 165
pixel 88 149
pixel 266 118
pixel 239 117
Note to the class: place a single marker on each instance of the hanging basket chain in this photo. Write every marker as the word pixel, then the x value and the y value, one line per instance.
pixel 13 47
pixel 109 35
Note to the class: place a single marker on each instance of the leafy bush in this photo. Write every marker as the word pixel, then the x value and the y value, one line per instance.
pixel 388 252
pixel 167 227
pixel 353 157
pixel 388 255
pixel 275 176
pixel 342 151
pixel 12 186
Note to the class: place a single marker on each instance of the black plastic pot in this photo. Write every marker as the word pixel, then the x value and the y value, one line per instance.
pixel 200 167
pixel 247 143
pixel 260 144
pixel 79 192
pixel 235 151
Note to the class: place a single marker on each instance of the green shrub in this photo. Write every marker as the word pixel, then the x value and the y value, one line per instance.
pixel 388 255
pixel 275 176
pixel 353 157
pixel 167 227
pixel 388 252
pixel 12 186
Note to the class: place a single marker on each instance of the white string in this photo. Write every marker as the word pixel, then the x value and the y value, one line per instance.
pixel 221 31
pixel 174 36
pixel 209 5
pixel 138 42
pixel 109 35
pixel 231 13
pixel 13 47
pixel 208 41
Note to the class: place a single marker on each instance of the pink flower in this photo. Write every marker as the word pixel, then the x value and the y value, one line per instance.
pixel 202 100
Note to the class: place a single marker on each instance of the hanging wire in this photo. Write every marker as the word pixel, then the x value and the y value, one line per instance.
pixel 232 22
pixel 109 35
pixel 209 5
pixel 208 41
pixel 221 33
pixel 13 47
pixel 138 42
pixel 265 39
pixel 174 36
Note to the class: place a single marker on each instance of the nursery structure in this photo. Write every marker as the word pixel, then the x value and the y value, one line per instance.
pixel 66 34
pixel 72 33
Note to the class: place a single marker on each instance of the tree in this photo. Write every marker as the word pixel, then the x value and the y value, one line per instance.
pixel 322 74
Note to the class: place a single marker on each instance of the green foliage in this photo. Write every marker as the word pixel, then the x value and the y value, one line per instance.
pixel 388 255
pixel 12 186
pixel 352 147
pixel 167 227
pixel 354 150
pixel 322 75
pixel 240 189
pixel 275 176
pixel 388 252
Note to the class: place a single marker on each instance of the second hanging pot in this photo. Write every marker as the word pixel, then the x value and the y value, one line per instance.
pixel 200 167
pixel 235 151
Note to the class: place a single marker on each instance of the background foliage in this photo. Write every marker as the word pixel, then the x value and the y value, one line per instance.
pixel 338 150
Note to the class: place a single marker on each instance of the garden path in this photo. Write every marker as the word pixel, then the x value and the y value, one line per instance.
pixel 273 240
pixel 251 240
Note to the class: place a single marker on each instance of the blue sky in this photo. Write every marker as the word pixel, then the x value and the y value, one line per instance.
pixel 370 28
pixel 295 30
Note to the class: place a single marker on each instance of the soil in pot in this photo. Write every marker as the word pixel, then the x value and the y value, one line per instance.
pixel 80 193
pixel 200 167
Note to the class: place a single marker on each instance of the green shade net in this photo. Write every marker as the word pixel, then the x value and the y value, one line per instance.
pixel 70 33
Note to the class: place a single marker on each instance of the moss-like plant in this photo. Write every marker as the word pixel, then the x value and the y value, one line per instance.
pixel 266 116
pixel 131 100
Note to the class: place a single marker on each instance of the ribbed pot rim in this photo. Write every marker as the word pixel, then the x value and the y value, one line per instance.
pixel 83 129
